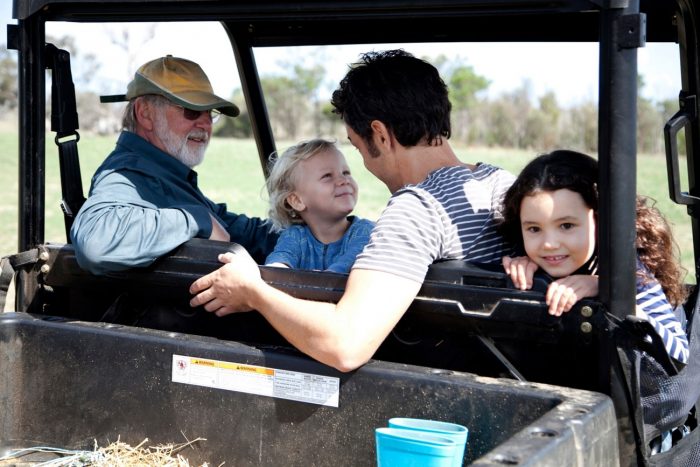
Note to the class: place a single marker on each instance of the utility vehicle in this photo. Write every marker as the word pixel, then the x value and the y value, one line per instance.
pixel 87 358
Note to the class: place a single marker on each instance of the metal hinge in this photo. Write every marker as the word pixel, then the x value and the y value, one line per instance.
pixel 632 31
pixel 689 104
pixel 12 37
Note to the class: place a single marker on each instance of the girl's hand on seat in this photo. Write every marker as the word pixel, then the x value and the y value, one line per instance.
pixel 563 294
pixel 521 270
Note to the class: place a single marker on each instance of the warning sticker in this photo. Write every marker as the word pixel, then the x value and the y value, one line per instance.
pixel 251 379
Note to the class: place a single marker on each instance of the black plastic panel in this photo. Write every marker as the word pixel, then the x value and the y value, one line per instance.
pixel 67 384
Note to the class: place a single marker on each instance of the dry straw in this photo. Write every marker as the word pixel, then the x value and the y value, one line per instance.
pixel 117 454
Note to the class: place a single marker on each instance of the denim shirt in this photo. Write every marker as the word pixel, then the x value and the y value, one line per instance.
pixel 299 249
pixel 143 203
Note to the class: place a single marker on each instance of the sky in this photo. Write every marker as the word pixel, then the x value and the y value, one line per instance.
pixel 569 70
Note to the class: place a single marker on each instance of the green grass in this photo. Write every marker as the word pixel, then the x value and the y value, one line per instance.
pixel 231 173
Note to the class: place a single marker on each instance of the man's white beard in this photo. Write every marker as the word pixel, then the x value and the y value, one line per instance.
pixel 177 146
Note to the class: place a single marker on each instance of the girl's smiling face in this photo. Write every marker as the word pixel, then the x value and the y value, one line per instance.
pixel 558 230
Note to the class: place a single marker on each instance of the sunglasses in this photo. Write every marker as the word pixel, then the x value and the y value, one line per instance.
pixel 193 115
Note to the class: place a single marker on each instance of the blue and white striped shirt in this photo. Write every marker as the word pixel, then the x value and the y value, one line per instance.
pixel 452 214
pixel 658 311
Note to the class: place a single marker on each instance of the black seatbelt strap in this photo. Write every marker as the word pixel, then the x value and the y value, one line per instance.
pixel 9 265
pixel 72 198
pixel 64 121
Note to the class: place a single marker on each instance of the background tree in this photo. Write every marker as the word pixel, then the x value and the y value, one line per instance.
pixel 284 105
pixel 236 127
pixel 464 86
pixel 8 79
pixel 297 100
pixel 331 123
pixel 307 83
pixel 84 67
pixel 92 115
pixel 650 125
pixel 130 42
pixel 498 115
pixel 541 131
pixel 507 118
pixel 293 100
pixel 580 128
pixel 650 122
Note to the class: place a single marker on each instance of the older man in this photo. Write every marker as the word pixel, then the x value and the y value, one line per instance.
pixel 397 114
pixel 144 200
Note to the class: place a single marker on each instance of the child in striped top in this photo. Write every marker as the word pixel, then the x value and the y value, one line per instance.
pixel 550 213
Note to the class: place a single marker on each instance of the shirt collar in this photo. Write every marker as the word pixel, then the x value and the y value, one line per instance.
pixel 139 145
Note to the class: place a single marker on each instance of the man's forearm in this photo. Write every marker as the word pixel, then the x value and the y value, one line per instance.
pixel 343 335
pixel 112 238
pixel 315 328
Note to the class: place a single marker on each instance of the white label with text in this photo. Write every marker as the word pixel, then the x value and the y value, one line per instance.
pixel 251 379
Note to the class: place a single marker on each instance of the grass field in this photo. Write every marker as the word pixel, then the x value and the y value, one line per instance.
pixel 231 173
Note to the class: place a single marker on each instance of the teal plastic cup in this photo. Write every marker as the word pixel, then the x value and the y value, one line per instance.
pixel 457 433
pixel 397 447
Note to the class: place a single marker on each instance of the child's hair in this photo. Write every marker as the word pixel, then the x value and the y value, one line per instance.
pixel 557 170
pixel 281 182
pixel 658 251
pixel 578 172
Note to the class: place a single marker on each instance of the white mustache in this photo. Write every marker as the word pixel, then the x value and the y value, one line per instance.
pixel 198 134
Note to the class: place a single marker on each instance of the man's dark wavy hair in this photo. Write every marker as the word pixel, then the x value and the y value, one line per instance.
pixel 398 89
pixel 557 170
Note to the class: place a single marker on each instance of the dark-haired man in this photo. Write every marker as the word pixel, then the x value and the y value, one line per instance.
pixel 144 200
pixel 397 114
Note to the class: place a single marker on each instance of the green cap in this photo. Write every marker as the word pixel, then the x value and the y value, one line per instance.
pixel 181 81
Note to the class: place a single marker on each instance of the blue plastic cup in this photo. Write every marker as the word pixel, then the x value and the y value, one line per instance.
pixel 457 433
pixel 397 447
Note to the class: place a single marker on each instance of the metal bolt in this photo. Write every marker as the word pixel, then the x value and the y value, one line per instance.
pixel 45 268
pixel 586 311
pixel 586 327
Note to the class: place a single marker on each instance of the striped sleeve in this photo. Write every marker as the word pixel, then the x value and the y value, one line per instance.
pixel 406 238
pixel 657 310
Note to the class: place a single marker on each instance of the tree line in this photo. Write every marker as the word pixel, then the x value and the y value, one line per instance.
pixel 297 108
pixel 514 119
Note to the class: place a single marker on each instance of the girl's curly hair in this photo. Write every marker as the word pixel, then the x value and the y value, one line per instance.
pixel 658 251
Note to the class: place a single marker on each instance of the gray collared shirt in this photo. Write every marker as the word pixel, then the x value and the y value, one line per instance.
pixel 144 203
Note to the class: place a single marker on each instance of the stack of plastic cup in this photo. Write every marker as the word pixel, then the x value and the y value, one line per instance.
pixel 418 442
pixel 397 447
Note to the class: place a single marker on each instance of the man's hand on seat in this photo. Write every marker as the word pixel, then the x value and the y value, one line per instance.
pixel 225 290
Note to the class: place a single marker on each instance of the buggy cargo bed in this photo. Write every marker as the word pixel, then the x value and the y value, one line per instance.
pixel 70 384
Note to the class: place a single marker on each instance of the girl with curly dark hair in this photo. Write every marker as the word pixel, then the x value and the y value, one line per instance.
pixel 550 213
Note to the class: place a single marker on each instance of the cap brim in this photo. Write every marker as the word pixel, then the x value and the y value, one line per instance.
pixel 113 98
pixel 195 100
pixel 199 100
